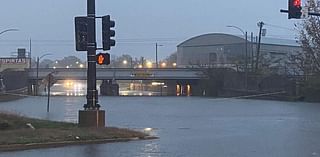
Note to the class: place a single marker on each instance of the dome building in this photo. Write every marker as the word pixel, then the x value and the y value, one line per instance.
pixel 225 50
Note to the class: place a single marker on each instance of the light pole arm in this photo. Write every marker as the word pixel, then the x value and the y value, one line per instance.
pixel 246 53
pixel 8 30
pixel 38 62
pixel 238 28
pixel 47 54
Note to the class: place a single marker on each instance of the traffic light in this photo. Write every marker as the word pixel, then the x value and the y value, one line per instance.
pixel 107 33
pixel 294 9
pixel 81 32
pixel 103 58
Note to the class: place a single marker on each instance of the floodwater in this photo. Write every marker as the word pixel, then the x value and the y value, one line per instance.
pixel 187 127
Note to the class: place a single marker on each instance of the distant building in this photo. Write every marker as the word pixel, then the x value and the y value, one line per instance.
pixel 18 63
pixel 219 49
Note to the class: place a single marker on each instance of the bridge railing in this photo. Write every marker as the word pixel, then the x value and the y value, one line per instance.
pixel 120 73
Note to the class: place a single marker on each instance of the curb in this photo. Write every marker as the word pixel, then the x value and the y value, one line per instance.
pixel 19 147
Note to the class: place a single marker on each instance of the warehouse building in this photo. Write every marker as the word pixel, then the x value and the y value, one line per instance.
pixel 225 50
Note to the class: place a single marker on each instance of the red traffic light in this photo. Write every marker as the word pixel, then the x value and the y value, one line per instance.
pixel 294 9
pixel 297 3
pixel 103 58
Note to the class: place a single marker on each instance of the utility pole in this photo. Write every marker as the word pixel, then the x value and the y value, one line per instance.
pixel 246 62
pixel 50 77
pixel 30 50
pixel 260 24
pixel 252 53
pixel 157 45
pixel 156 55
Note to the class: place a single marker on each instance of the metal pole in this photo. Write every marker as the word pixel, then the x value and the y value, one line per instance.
pixel 252 52
pixel 49 82
pixel 37 68
pixel 30 53
pixel 38 62
pixel 156 55
pixel 246 52
pixel 260 24
pixel 92 93
pixel 246 60
pixel 246 43
pixel 37 76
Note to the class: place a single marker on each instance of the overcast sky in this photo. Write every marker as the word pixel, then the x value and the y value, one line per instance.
pixel 139 23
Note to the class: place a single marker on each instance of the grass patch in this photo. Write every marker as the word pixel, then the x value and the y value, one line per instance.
pixel 9 97
pixel 14 130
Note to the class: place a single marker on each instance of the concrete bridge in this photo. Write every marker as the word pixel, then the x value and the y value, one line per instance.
pixel 179 81
pixel 119 73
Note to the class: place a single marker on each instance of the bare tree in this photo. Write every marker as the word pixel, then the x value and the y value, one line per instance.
pixel 308 61
pixel 309 36
pixel 170 60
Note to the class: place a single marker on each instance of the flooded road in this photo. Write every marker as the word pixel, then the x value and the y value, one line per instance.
pixel 187 126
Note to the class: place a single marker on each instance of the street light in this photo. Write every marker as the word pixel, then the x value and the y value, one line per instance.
pixel 8 30
pixel 245 34
pixel 163 64
pixel 149 64
pixel 38 59
pixel 157 45
pixel 246 55
pixel 238 28
pixel 174 64
pixel 125 62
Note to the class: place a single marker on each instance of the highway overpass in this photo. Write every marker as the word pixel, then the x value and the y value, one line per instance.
pixel 120 73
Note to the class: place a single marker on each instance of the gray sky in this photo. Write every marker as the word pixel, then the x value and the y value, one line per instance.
pixel 139 23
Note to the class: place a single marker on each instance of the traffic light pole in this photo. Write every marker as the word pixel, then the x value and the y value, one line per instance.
pixel 92 93
pixel 91 116
pixel 309 13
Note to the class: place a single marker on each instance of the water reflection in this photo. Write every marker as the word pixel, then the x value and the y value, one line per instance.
pixel 78 88
pixel 91 151
pixel 151 149
pixel 66 88
pixel 69 113
pixel 150 131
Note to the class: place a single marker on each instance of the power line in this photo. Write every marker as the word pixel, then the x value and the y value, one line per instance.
pixel 71 42
pixel 280 27
pixel 118 39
